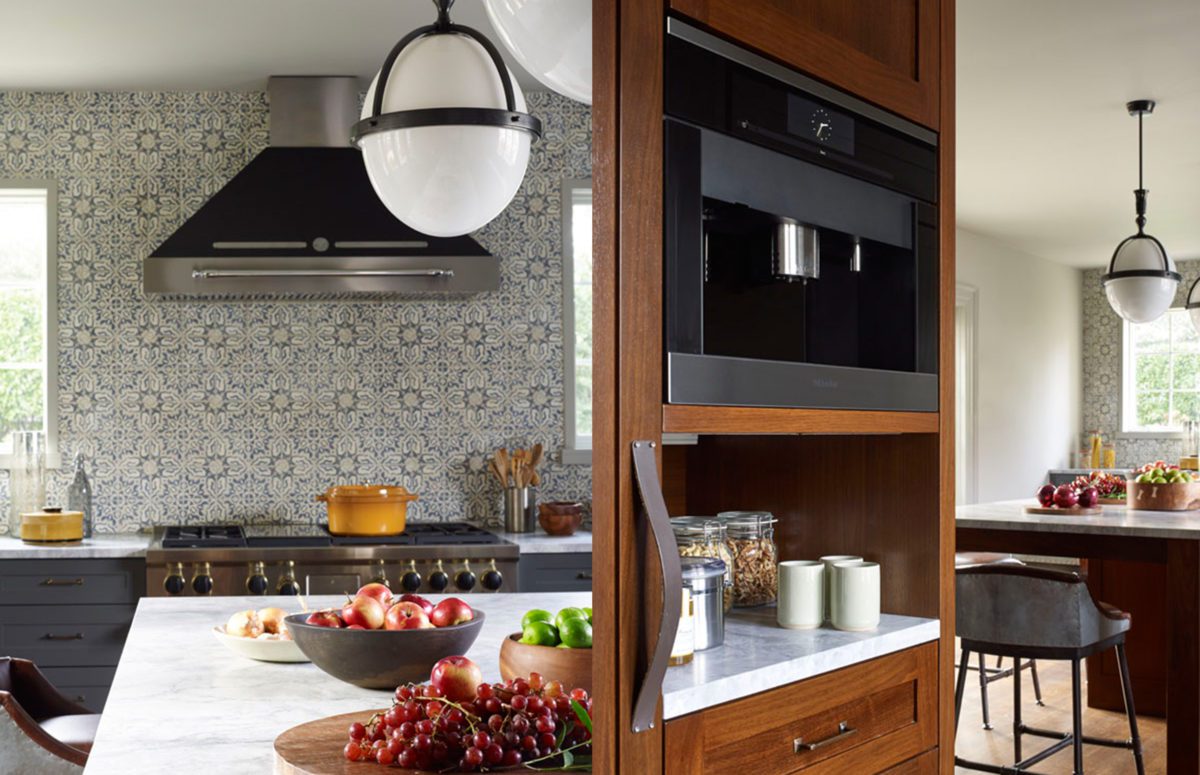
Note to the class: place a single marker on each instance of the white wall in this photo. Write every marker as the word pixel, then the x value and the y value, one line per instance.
pixel 1028 363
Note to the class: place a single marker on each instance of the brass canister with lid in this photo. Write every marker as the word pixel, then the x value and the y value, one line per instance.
pixel 51 526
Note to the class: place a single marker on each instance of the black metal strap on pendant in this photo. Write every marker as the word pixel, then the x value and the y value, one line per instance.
pixel 1192 302
pixel 1165 273
pixel 509 118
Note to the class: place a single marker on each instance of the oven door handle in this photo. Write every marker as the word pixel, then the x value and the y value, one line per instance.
pixel 654 507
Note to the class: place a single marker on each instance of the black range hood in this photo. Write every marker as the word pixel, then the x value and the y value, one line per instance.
pixel 302 220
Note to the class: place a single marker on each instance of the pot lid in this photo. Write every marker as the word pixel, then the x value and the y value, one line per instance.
pixel 367 492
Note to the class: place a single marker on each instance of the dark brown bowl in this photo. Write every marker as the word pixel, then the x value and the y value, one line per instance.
pixel 381 659
pixel 560 518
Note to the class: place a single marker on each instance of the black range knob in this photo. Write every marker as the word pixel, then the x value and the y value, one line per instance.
pixel 202 584
pixel 492 580
pixel 410 581
pixel 465 580
pixel 438 581
pixel 257 584
pixel 175 584
pixel 289 587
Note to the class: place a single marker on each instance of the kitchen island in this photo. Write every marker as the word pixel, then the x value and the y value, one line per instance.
pixel 1170 539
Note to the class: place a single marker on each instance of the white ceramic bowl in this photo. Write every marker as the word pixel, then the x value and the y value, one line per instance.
pixel 262 650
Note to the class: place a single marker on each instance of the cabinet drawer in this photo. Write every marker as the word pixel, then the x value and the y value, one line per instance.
pixel 57 582
pixel 863 719
pixel 79 676
pixel 925 764
pixel 556 572
pixel 65 635
pixel 90 697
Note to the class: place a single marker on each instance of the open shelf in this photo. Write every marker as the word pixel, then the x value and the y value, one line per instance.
pixel 679 418
pixel 758 656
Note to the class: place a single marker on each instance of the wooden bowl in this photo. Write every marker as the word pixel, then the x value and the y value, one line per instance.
pixel 560 518
pixel 1184 496
pixel 381 659
pixel 573 667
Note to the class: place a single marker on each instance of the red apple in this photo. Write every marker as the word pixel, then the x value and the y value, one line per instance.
pixel 1045 495
pixel 425 604
pixel 1089 497
pixel 378 591
pixel 1065 497
pixel 456 678
pixel 326 618
pixel 364 610
pixel 406 616
pixel 450 612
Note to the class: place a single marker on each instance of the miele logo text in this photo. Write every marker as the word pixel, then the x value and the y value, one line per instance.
pixel 825 383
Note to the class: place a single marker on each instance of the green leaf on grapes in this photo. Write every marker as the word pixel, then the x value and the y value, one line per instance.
pixel 582 713
pixel 568 758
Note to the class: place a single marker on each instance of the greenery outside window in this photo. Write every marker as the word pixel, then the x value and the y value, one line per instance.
pixel 28 317
pixel 577 319
pixel 1160 375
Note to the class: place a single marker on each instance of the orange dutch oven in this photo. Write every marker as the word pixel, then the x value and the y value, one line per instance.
pixel 366 509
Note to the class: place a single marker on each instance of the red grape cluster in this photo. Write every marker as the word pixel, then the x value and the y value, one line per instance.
pixel 1106 484
pixel 530 723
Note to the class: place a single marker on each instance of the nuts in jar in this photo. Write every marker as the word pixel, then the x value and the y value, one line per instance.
pixel 750 536
pixel 705 537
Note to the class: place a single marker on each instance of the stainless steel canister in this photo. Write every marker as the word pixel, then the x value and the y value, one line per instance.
pixel 705 577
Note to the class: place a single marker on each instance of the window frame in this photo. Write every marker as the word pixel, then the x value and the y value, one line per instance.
pixel 50 318
pixel 572 452
pixel 1128 403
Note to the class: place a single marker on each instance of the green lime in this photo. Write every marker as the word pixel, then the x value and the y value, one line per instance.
pixel 569 613
pixel 576 633
pixel 539 634
pixel 588 611
pixel 536 615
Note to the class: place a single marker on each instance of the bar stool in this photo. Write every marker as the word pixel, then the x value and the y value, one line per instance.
pixel 988 675
pixel 1025 613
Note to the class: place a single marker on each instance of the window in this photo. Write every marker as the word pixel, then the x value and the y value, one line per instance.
pixel 577 319
pixel 1160 375
pixel 28 329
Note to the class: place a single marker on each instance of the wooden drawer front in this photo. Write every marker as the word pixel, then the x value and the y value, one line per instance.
pixel 65 635
pixel 556 572
pixel 55 582
pixel 925 764
pixel 889 702
pixel 884 51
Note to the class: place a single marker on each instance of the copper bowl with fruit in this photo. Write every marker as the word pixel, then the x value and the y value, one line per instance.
pixel 560 518
pixel 570 667
pixel 381 659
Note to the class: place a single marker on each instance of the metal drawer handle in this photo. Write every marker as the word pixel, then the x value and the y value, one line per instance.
pixel 583 576
pixel 844 731
pixel 208 274
pixel 62 583
pixel 50 636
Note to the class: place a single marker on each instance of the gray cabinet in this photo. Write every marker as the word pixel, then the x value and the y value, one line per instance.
pixel 571 572
pixel 70 617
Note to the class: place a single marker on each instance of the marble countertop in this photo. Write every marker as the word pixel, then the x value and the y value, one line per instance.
pixel 540 543
pixel 1115 520
pixel 759 655
pixel 181 701
pixel 99 545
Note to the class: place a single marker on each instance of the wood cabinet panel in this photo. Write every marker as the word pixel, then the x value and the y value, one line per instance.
pixel 925 764
pixel 884 51
pixel 889 703
pixel 1141 589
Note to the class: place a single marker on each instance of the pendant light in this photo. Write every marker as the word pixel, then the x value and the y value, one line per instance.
pixel 1141 278
pixel 444 133
pixel 552 39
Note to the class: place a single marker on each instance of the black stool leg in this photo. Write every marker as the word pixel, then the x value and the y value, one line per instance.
pixel 983 697
pixel 961 685
pixel 1077 715
pixel 1127 694
pixel 1037 686
pixel 1016 727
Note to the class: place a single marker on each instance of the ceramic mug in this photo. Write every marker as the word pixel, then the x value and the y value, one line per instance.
pixel 855 595
pixel 801 594
pixel 829 561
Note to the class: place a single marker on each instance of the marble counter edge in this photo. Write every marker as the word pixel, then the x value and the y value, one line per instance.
pixel 681 702
pixel 542 543
pixel 103 546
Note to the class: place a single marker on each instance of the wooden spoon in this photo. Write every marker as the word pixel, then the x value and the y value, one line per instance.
pixel 502 465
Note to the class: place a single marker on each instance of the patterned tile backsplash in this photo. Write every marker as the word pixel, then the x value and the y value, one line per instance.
pixel 1102 346
pixel 202 412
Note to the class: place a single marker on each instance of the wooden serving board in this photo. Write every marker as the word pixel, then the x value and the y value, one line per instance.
pixel 1074 511
pixel 315 748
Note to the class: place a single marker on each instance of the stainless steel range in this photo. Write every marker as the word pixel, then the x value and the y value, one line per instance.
pixel 288 560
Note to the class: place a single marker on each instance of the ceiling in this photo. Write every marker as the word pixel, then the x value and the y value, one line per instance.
pixel 1047 155
pixel 177 45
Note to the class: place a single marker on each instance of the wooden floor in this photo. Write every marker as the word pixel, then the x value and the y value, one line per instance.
pixel 995 746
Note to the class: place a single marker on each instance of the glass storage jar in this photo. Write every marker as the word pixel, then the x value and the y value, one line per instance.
pixel 750 536
pixel 705 537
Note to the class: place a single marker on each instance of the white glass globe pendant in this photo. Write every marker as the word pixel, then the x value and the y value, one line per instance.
pixel 552 39
pixel 444 133
pixel 1141 278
